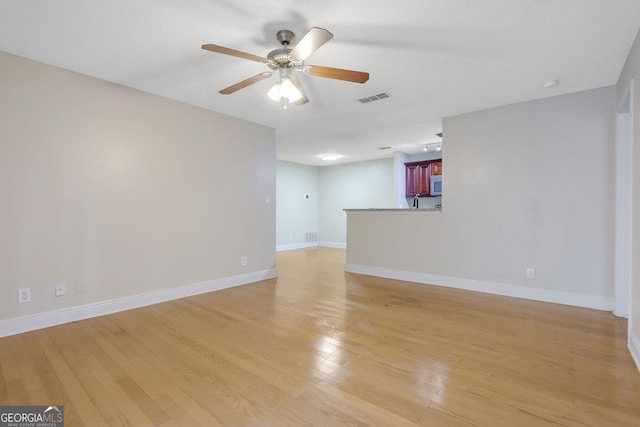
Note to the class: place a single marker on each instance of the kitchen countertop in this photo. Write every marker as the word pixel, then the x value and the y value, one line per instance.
pixel 394 211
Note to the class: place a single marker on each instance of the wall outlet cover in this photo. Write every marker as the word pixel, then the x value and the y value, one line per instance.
pixel 61 289
pixel 531 273
pixel 24 295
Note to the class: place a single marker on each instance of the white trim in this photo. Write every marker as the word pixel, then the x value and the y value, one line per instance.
pixel 634 349
pixel 294 246
pixel 32 322
pixel 546 295
pixel 339 245
pixel 623 203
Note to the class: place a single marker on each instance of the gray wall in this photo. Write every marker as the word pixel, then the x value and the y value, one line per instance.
pixel 352 185
pixel 332 189
pixel 123 191
pixel 631 71
pixel 531 184
pixel 526 185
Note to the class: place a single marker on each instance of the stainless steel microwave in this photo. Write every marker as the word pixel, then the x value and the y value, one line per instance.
pixel 436 185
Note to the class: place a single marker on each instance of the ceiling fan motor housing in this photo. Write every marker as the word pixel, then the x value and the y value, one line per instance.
pixel 279 58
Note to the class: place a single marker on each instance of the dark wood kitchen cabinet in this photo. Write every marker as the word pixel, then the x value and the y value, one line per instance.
pixel 436 168
pixel 418 177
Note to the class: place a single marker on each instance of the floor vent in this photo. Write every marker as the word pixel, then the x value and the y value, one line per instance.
pixel 372 98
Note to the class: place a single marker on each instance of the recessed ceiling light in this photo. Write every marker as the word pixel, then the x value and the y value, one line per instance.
pixel 550 84
pixel 331 156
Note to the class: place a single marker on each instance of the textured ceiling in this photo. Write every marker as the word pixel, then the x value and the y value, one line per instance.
pixel 435 58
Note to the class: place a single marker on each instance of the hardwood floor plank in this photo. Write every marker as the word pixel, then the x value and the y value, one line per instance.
pixel 432 417
pixel 320 347
pixel 73 363
pixel 381 415
pixel 33 382
pixel 481 406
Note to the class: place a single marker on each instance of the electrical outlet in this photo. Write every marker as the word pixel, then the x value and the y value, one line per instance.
pixel 244 260
pixel 61 289
pixel 531 273
pixel 24 295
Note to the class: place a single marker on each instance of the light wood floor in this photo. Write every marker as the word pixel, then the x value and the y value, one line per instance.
pixel 324 348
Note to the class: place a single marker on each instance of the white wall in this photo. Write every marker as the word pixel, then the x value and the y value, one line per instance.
pixel 296 214
pixel 527 185
pixel 399 179
pixel 367 184
pixel 125 192
pixel 631 71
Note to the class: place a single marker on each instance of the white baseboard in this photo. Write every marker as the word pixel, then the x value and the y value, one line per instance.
pixel 634 348
pixel 295 246
pixel 338 245
pixel 32 322
pixel 546 295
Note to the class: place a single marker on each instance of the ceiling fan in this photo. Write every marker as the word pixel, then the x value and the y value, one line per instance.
pixel 286 61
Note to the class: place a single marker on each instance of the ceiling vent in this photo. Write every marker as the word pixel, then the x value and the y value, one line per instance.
pixel 386 147
pixel 372 98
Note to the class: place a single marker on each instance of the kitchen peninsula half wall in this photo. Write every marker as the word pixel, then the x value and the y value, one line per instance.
pixel 418 245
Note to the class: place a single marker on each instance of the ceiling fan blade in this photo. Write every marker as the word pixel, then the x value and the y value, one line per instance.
pixel 298 86
pixel 337 73
pixel 233 52
pixel 245 83
pixel 311 42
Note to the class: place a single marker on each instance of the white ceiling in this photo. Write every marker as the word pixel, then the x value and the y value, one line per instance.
pixel 435 58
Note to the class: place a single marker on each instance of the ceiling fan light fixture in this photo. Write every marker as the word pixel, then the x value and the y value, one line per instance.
pixel 274 92
pixel 285 88
pixel 289 91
